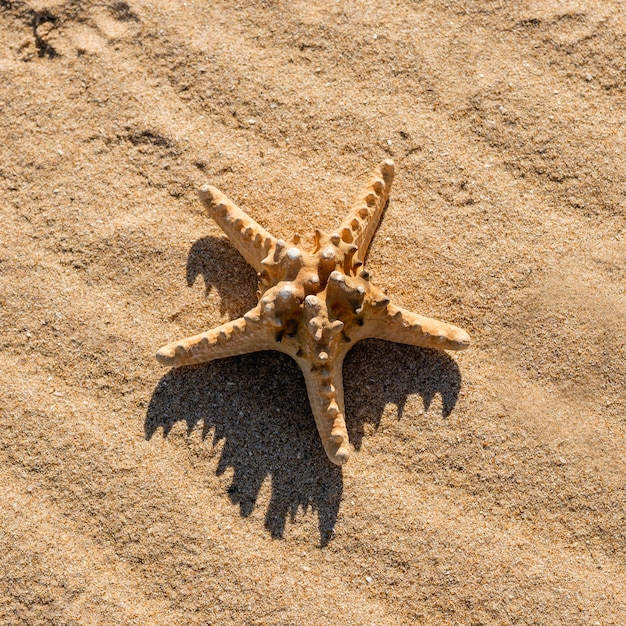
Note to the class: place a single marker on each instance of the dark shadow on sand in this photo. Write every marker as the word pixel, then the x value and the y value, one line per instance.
pixel 379 372
pixel 221 266
pixel 257 404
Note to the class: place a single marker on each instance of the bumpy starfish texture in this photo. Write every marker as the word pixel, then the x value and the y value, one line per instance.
pixel 314 306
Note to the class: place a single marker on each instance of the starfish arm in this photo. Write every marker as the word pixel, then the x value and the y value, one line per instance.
pixel 401 326
pixel 360 224
pixel 230 339
pixel 325 390
pixel 251 239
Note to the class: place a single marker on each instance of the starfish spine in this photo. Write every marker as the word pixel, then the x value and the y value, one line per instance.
pixel 362 221
pixel 251 239
pixel 239 336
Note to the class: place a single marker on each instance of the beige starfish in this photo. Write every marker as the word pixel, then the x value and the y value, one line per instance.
pixel 314 306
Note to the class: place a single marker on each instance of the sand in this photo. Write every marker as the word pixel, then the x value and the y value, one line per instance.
pixel 485 487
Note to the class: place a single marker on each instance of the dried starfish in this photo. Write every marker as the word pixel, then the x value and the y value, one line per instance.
pixel 314 306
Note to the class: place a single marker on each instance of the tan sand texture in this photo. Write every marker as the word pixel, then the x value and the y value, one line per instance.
pixel 484 487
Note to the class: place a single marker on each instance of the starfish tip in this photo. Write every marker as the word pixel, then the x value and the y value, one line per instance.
pixel 387 168
pixel 207 193
pixel 341 456
pixel 165 356
pixel 461 339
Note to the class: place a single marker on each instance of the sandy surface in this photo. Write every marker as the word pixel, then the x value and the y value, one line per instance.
pixel 486 487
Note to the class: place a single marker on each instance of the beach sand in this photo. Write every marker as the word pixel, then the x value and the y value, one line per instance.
pixel 485 487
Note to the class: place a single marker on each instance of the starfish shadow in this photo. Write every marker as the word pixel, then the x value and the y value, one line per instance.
pixel 266 433
pixel 221 266
pixel 396 372
pixel 269 433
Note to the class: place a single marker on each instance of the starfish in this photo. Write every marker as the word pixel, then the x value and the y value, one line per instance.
pixel 314 306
